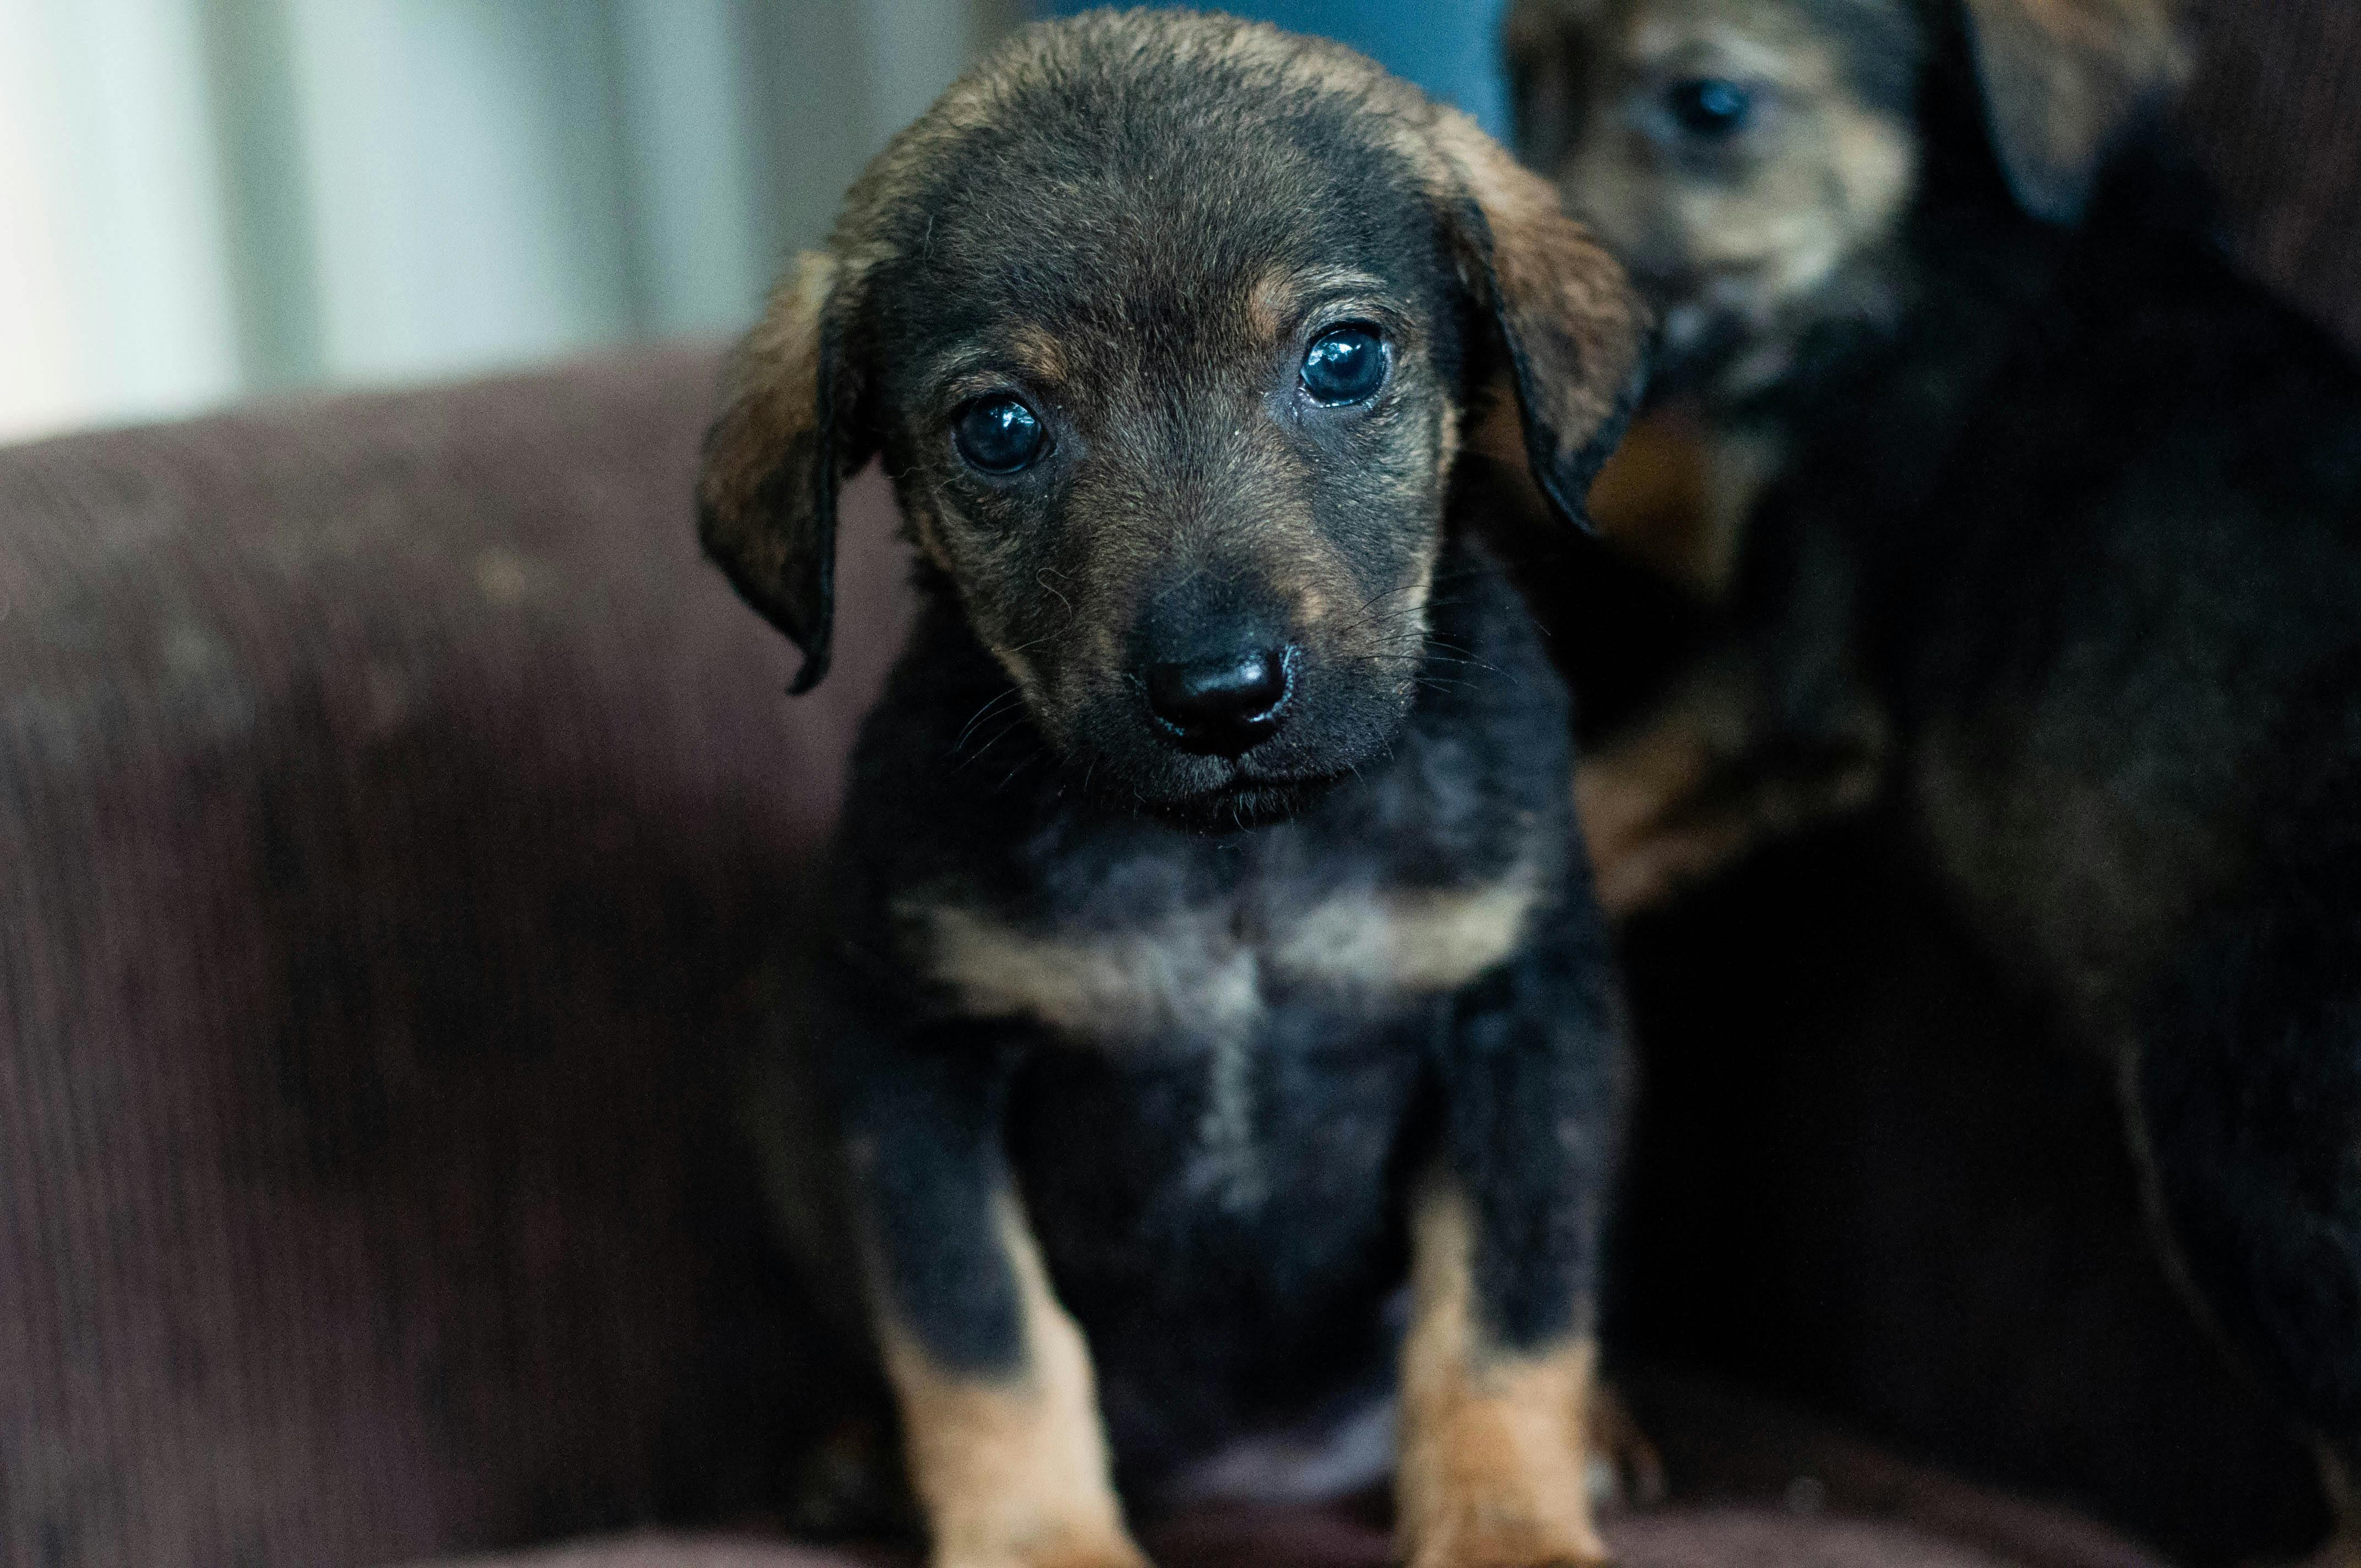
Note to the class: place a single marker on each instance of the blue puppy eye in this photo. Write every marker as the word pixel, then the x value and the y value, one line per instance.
pixel 1344 365
pixel 1709 107
pixel 998 434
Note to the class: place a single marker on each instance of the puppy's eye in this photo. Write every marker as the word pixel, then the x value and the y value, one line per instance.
pixel 1709 108
pixel 1344 365
pixel 998 434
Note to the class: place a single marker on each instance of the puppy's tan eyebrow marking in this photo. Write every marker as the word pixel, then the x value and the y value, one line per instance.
pixel 1765 50
pixel 1029 358
pixel 1282 297
pixel 1040 353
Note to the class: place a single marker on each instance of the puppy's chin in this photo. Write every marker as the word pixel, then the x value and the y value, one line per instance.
pixel 1280 779
pixel 1241 807
pixel 1698 344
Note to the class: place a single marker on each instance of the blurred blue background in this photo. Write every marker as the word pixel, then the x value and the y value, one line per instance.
pixel 1451 48
pixel 204 199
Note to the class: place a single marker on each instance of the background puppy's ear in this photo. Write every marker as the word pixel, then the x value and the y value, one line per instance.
pixel 1544 45
pixel 2063 80
pixel 767 496
pixel 1573 330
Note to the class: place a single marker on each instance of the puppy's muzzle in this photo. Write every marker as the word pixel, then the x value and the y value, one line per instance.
pixel 1226 700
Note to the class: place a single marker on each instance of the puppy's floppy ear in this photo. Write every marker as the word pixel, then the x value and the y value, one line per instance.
pixel 767 496
pixel 2062 81
pixel 1544 43
pixel 1574 331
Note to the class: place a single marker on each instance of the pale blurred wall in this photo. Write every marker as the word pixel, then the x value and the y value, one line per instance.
pixel 205 199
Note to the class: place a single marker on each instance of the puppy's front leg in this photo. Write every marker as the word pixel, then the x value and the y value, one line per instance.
pixel 1496 1368
pixel 998 1403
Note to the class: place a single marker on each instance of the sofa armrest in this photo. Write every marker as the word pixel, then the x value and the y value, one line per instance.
pixel 390 802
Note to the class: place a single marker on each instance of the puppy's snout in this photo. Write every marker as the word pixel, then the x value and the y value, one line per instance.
pixel 1225 700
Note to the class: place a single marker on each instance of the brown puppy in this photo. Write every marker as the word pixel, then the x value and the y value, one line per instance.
pixel 1214 962
pixel 1759 164
pixel 2051 539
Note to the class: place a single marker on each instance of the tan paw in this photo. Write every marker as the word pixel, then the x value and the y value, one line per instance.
pixel 1504 1548
pixel 1114 1551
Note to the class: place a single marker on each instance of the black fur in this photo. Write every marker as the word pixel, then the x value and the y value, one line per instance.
pixel 1213 1311
pixel 1135 224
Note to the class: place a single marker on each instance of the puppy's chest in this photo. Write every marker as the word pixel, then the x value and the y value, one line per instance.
pixel 1131 958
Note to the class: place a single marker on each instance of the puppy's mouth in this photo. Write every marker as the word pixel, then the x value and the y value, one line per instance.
pixel 1247 801
pixel 1731 335
pixel 1710 321
pixel 1219 794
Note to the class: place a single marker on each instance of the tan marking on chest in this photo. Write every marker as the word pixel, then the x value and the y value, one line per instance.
pixel 1195 973
pixel 1176 974
pixel 1417 941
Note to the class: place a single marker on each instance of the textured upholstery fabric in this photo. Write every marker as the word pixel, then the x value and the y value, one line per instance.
pixel 391 800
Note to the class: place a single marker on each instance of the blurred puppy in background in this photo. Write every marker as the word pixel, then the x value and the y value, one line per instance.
pixel 2026 513
pixel 1211 956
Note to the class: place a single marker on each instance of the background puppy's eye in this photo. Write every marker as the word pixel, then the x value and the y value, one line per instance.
pixel 998 434
pixel 1344 365
pixel 1709 108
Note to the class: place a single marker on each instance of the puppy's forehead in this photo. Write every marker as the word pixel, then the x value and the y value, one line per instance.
pixel 1152 198
pixel 1870 49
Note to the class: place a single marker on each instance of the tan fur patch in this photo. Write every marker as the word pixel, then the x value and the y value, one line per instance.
pixel 1013 1473
pixel 1499 434
pixel 1677 495
pixel 1492 1467
pixel 1277 298
pixel 1673 801
pixel 1419 941
pixel 1649 500
pixel 1195 974
pixel 1042 356
pixel 1269 303
pixel 1447 439
pixel 1185 974
pixel 2061 77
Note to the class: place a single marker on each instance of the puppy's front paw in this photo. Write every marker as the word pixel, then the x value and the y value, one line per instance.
pixel 1494 1474
pixel 1104 1552
pixel 1507 1552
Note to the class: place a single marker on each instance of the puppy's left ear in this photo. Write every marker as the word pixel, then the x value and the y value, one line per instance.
pixel 1574 331
pixel 2063 80
pixel 1545 43
pixel 767 496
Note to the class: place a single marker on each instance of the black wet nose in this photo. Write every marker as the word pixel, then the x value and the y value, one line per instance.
pixel 1224 704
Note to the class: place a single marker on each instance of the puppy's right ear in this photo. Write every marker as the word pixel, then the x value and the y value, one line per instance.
pixel 1545 42
pixel 767 496
pixel 2063 80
